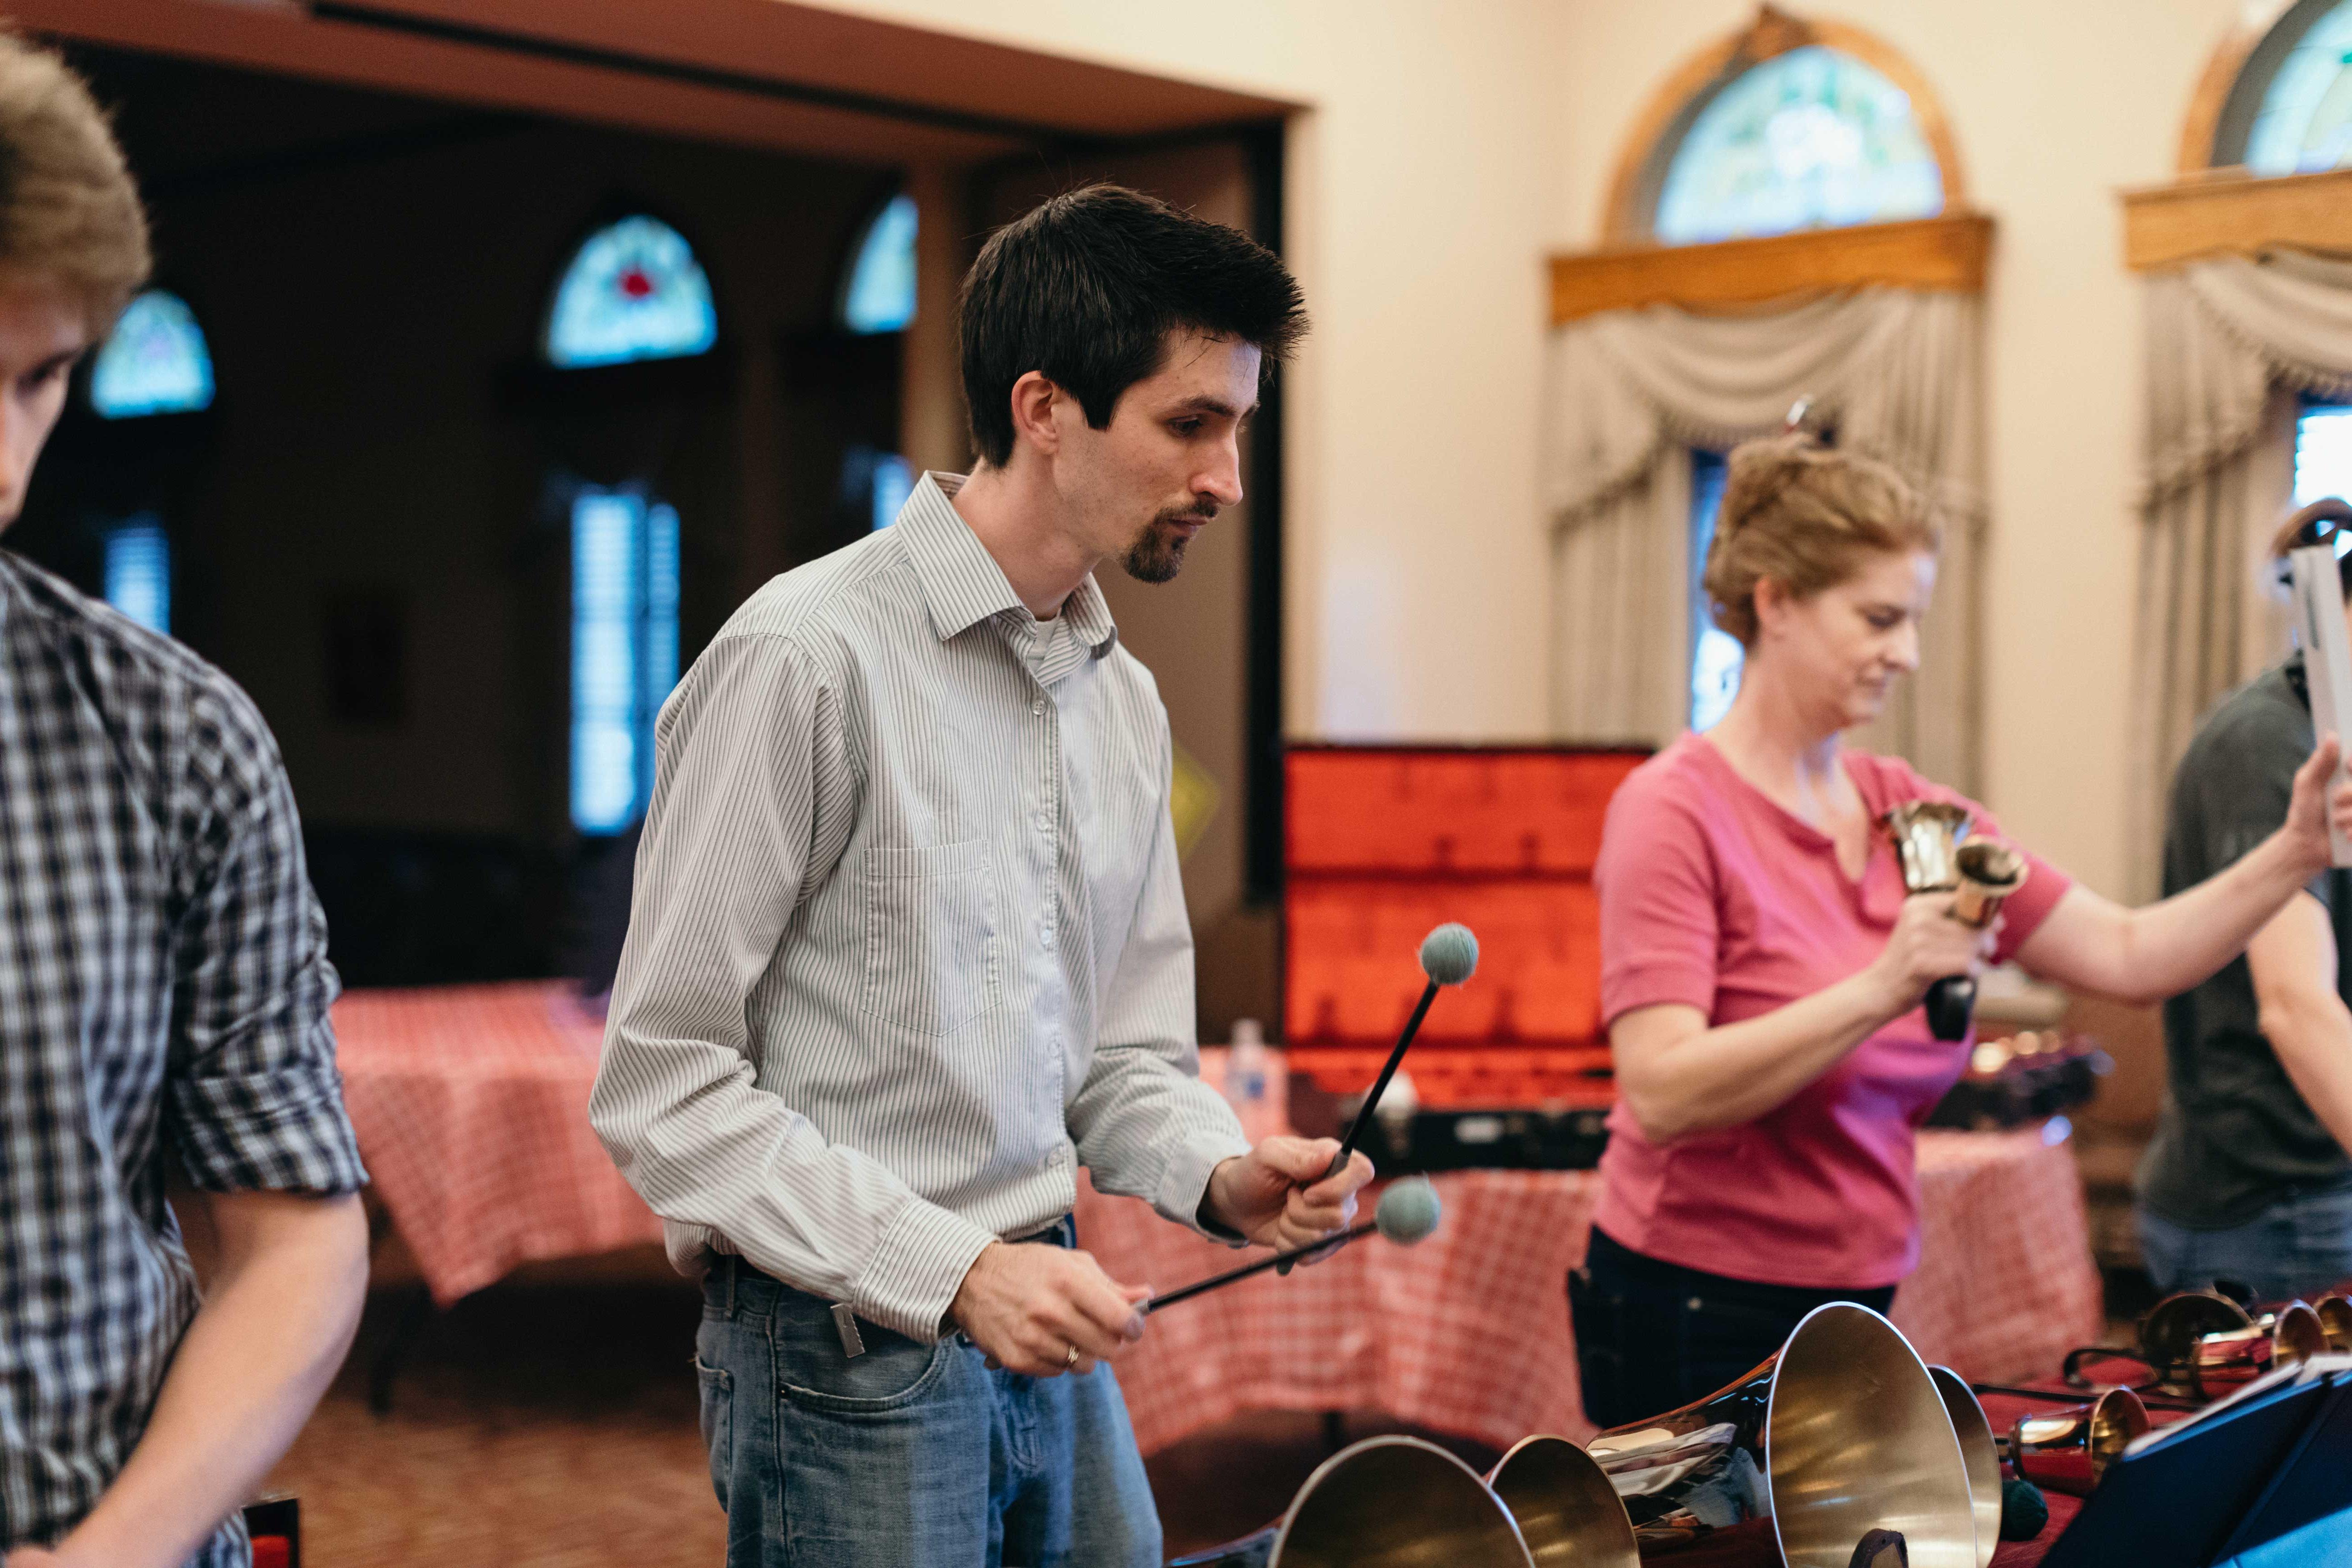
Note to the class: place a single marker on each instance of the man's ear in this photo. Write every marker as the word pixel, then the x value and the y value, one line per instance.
pixel 1034 398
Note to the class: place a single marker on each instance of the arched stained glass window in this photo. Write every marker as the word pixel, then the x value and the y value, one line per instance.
pixel 881 294
pixel 624 581
pixel 633 291
pixel 155 361
pixel 138 572
pixel 2292 105
pixel 1813 138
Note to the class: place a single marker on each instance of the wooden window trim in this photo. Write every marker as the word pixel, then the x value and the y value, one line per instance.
pixel 1949 254
pixel 2230 213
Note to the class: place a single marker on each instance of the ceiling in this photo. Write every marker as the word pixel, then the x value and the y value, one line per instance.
pixel 761 72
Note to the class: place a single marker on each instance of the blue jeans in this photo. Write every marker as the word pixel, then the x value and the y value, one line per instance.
pixel 2299 1247
pixel 910 1454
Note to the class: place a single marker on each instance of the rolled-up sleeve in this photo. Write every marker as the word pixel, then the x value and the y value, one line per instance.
pixel 1145 1124
pixel 751 761
pixel 254 1099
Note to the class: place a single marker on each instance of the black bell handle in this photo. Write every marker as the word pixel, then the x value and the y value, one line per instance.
pixel 1951 1003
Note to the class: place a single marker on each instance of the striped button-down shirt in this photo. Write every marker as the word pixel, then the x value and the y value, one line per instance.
pixel 909 942
pixel 163 985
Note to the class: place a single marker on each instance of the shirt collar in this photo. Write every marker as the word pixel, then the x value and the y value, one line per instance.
pixel 962 584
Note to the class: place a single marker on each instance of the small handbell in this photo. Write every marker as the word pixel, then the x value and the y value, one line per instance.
pixel 1980 873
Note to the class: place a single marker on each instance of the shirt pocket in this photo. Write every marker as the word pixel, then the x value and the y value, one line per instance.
pixel 932 947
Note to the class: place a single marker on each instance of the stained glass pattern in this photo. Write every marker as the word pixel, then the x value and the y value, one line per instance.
pixel 881 293
pixel 2323 458
pixel 876 482
pixel 1810 139
pixel 138 572
pixel 633 291
pixel 624 578
pixel 156 361
pixel 2304 123
pixel 1716 656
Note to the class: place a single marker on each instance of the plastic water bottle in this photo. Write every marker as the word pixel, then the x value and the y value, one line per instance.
pixel 1246 1073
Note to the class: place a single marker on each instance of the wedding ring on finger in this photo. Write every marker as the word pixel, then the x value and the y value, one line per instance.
pixel 1070 1360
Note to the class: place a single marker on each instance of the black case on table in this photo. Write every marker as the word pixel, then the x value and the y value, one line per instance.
pixel 2197 1501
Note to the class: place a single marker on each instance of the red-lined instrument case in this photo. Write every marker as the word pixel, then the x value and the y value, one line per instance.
pixel 1381 843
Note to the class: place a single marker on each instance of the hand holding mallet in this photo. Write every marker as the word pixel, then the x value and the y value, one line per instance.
pixel 1406 1214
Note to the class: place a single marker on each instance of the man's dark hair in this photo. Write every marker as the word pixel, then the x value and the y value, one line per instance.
pixel 1085 289
pixel 2321 522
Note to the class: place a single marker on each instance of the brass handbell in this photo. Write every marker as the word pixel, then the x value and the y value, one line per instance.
pixel 2203 1344
pixel 2069 1450
pixel 1978 1452
pixel 1567 1512
pixel 1840 1435
pixel 1385 1502
pixel 2335 1313
pixel 2200 1344
pixel 1932 846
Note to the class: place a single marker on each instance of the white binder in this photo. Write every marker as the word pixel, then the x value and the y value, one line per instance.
pixel 2326 659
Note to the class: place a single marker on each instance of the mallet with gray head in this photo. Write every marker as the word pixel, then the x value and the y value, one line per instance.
pixel 1406 1214
pixel 1449 955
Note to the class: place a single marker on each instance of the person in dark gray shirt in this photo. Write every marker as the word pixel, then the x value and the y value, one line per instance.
pixel 2248 1179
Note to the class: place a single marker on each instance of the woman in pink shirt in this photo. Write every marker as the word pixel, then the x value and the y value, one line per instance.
pixel 1762 968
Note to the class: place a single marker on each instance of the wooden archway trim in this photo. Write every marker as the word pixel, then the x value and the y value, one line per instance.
pixel 1774 32
pixel 2221 68
pixel 2228 214
pixel 1950 254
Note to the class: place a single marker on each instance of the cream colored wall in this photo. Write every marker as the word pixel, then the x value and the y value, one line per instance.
pixel 1419 199
pixel 2054 107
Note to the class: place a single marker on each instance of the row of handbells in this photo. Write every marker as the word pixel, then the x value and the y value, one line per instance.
pixel 1842 1448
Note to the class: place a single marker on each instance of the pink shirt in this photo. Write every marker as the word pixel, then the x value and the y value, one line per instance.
pixel 1713 896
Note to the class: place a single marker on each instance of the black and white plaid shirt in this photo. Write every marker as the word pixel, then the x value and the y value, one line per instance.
pixel 164 984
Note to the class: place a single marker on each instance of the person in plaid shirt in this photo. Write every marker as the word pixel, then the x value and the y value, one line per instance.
pixel 163 987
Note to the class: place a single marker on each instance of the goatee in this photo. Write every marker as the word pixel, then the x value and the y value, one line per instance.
pixel 1158 552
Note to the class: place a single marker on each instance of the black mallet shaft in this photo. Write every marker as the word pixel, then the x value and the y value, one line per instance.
pixel 1449 955
pixel 1406 1212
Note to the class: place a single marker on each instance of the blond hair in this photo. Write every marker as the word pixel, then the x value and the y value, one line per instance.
pixel 69 216
pixel 1806 517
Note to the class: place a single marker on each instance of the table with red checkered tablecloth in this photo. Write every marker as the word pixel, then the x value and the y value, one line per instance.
pixel 1468 1333
pixel 471 1104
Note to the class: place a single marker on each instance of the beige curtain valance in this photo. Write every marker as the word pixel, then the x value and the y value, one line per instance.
pixel 2230 341
pixel 1633 391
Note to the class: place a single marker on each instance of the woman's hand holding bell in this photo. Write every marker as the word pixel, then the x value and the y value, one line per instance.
pixel 1928 944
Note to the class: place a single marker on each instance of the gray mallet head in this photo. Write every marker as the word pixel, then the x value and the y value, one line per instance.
pixel 1449 955
pixel 1409 1210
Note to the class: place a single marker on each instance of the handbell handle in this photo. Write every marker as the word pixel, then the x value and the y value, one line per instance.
pixel 1952 1007
pixel 2000 871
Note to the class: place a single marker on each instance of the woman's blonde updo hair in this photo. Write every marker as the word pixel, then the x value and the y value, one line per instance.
pixel 1806 517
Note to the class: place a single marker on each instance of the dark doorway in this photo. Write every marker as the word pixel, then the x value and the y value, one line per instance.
pixel 372 526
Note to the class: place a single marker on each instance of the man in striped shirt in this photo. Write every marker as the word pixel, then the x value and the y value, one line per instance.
pixel 908 943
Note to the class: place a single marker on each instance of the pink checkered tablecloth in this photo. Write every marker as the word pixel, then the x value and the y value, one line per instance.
pixel 471 1105
pixel 1468 1333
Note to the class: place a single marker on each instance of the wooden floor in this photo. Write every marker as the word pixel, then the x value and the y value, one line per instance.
pixel 555 1426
